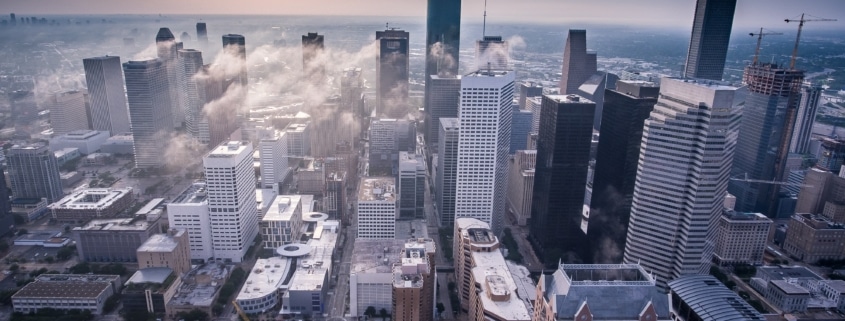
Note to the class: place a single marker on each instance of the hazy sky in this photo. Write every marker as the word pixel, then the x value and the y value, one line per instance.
pixel 669 13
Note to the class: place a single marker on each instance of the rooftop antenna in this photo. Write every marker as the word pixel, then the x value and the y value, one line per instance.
pixel 801 22
pixel 484 25
pixel 760 39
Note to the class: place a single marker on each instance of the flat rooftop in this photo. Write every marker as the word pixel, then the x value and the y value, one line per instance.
pixel 314 267
pixel 790 288
pixel 743 216
pixel 282 208
pixel 266 277
pixel 228 149
pixel 150 275
pixel 411 229
pixel 785 272
pixel 375 255
pixel 161 242
pixel 607 274
pixel 499 291
pixel 91 199
pixel 570 99
pixel 116 224
pixel 69 289
pixel 194 194
pixel 377 189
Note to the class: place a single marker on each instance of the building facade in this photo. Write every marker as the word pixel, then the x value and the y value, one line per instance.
pixel 447 169
pixel 377 210
pixel 741 238
pixel 282 223
pixel 442 45
pixel 392 72
pixel 168 250
pixel 67 112
pixel 189 211
pixel 578 63
pixel 806 117
pixel 521 185
pixel 491 52
pixel 414 282
pixel 34 172
pixel 711 32
pixel 441 102
pixel 150 109
pixel 273 150
pixel 66 292
pixel 411 187
pixel 811 238
pixel 113 240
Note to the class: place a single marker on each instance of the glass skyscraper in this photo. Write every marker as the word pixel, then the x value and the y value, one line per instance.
pixel 711 32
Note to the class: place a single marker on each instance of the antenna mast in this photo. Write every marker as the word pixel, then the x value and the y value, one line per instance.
pixel 484 25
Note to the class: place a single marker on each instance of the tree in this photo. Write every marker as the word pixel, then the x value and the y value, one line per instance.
pixel 49 259
pixel 383 314
pixel 111 303
pixel 81 268
pixel 64 253
pixel 14 267
pixel 193 315
pixel 4 246
pixel 370 312
pixel 440 308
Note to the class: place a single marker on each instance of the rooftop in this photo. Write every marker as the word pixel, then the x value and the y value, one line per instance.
pixel 570 99
pixel 411 229
pixel 838 285
pixel 711 300
pixel 91 198
pixel 498 289
pixel 282 208
pixel 196 193
pixel 377 189
pixel 742 216
pixel 312 269
pixel 161 242
pixel 70 286
pixel 785 272
pixel 228 149
pixel 82 134
pixel 116 224
pixel 375 255
pixel 267 276
pixel 157 275
pixel 489 73
pixel 789 288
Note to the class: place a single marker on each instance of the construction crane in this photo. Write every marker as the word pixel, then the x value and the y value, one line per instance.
pixel 240 311
pixel 759 40
pixel 744 178
pixel 801 22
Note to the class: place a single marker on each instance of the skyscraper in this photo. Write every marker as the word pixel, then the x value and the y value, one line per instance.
pixel 560 181
pixel 191 93
pixel 202 33
pixel 392 73
pixel 520 128
pixel 34 172
pixel 807 108
pixel 413 296
pixel 625 110
pixel 680 185
pixel 527 90
pixel 711 32
pixel 273 150
pixel 351 99
pixel 231 199
pixel 105 89
pixel 447 169
pixel 67 112
pixel 167 52
pixel 235 46
pixel 483 145
pixel 149 100
pixel 491 52
pixel 764 136
pixel 594 88
pixel 578 63
pixel 312 48
pixel 7 221
pixel 442 42
pixel 411 186
pixel 217 121
pixel 442 103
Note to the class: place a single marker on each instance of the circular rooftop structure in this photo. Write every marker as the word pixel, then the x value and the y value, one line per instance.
pixel 314 217
pixel 294 250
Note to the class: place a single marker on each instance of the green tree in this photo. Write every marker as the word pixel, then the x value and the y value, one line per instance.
pixel 81 268
pixel 64 253
pixel 193 315
pixel 383 314
pixel 370 312
pixel 14 267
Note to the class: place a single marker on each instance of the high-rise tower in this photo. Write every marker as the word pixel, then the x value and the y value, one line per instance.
pixel 444 92
pixel 806 117
pixel 491 52
pixel 312 48
pixel 202 33
pixel 560 181
pixel 34 172
pixel 447 169
pixel 483 145
pixel 235 46
pixel 149 100
pixel 392 73
pixel 167 52
pixel 442 42
pixel 625 110
pixel 685 158
pixel 67 112
pixel 578 63
pixel 711 32
pixel 191 92
pixel 105 91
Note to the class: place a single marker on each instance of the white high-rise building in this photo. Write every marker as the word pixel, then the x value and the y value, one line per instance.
pixel 67 112
pixel 273 151
pixel 105 93
pixel 685 160
pixel 232 208
pixel 148 95
pixel 191 92
pixel 189 211
pixel 483 146
pixel 377 208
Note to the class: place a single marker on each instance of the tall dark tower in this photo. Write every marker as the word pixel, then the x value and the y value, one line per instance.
pixel 167 47
pixel 15 21
pixel 578 63
pixel 563 155
pixel 625 110
pixel 708 46
pixel 312 46
pixel 202 33
pixel 6 218
pixel 442 41
pixel 392 73
pixel 235 45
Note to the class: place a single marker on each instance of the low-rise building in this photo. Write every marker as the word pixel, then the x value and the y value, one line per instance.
pixel 189 211
pixel 166 250
pixel 263 288
pixel 68 154
pixel 703 297
pixel 310 178
pixel 149 290
pixel 371 274
pixel 122 144
pixel 811 238
pixel 92 203
pixel 797 288
pixel 834 290
pixel 413 282
pixel 87 141
pixel 66 292
pixel 741 238
pixel 282 222
pixel 29 208
pixel 97 159
pixel 113 240
pixel 377 210
pixel 199 290
pixel 307 294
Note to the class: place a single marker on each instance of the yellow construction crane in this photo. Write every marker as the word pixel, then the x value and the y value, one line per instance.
pixel 801 22
pixel 759 40
pixel 240 311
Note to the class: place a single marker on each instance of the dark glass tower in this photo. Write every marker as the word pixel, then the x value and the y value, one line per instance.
pixel 312 46
pixel 625 110
pixel 392 72
pixel 708 46
pixel 578 63
pixel 762 147
pixel 443 27
pixel 563 154
pixel 202 33
pixel 235 45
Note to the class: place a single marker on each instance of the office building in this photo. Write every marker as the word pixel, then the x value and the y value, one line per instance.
pixel 594 88
pixel 371 274
pixel 299 139
pixel 312 49
pixel 86 141
pixel 411 186
pixel 233 212
pixel 113 240
pixel 387 138
pixel 527 90
pixel 282 222
pixel 600 292
pixel 216 123
pixel 24 109
pixel 310 177
pixel 104 78
pixel 66 292
pixel 811 238
pixel 483 146
pixel 191 92
pixel 563 155
pixel 442 102
pixel 491 52
pixel 414 281
pixel 693 177
pixel 92 203
pixel 535 105
pixel 711 32
pixel 831 154
pixel 167 49
pixel 200 289
pixel 392 72
pixel 520 128
pixel 34 172
pixel 7 220
pixel 235 46
pixel 741 238
pixel 67 112
pixel 806 117
pixel 377 210
pixel 578 63
pixel 335 198
pixel 703 297
pixel 797 288
pixel 189 212
pixel 150 110
pixel 263 287
pixel 521 170
pixel 148 291
pixel 447 169
pixel 273 151
pixel 202 33
pixel 308 292
pixel 352 100
pixel 625 110
pixel 442 45
pixel 168 250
